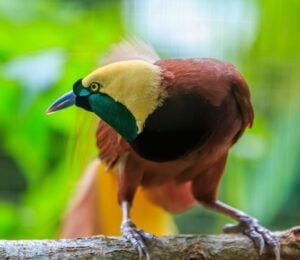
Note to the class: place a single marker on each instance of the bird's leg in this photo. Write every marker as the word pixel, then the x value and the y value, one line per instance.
pixel 249 226
pixel 205 188
pixel 129 180
pixel 135 235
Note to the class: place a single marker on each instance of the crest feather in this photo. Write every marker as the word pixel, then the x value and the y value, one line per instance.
pixel 133 49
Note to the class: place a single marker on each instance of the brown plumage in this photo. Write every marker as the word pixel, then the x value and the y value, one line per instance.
pixel 175 144
pixel 169 183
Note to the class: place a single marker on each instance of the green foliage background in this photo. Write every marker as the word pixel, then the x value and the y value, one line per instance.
pixel 41 157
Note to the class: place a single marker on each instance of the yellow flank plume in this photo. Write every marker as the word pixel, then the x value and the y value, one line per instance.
pixel 144 214
pixel 134 83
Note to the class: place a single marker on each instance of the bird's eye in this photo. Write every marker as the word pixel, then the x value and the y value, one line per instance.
pixel 95 86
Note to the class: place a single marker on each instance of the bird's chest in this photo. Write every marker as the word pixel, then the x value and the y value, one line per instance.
pixel 182 170
pixel 182 124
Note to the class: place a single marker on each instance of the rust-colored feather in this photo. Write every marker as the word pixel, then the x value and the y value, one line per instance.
pixel 205 77
pixel 111 145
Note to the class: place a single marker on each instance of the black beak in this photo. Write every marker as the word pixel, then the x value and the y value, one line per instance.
pixel 66 100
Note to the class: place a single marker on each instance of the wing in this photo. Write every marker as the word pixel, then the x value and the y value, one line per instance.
pixel 241 94
pixel 216 81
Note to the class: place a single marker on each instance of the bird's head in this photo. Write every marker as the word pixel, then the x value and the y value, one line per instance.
pixel 123 94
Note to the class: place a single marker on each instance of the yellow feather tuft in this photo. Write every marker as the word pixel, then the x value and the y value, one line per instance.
pixel 144 213
pixel 94 209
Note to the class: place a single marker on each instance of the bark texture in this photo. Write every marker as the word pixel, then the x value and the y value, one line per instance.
pixel 225 246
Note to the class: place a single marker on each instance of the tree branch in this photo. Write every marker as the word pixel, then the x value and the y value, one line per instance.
pixel 225 246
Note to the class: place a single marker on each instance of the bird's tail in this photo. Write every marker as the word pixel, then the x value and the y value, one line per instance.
pixel 95 210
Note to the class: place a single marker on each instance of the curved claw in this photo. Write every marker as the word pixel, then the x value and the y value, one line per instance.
pixel 136 237
pixel 261 247
pixel 151 237
pixel 276 251
pixel 257 238
pixel 258 234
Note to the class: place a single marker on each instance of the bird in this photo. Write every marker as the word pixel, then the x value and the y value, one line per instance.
pixel 166 126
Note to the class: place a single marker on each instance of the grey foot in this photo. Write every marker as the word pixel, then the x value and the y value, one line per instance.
pixel 257 233
pixel 137 238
